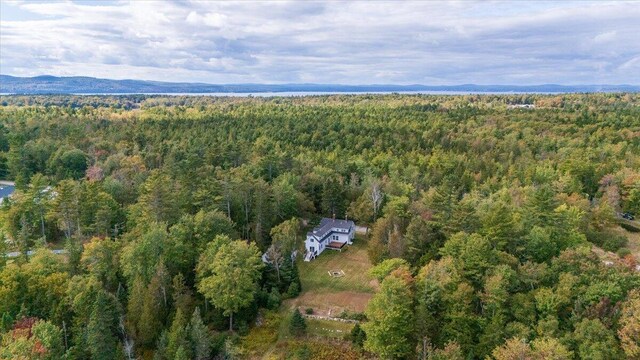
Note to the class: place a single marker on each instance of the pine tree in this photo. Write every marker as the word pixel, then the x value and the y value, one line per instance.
pixel 358 336
pixel 178 336
pixel 102 325
pixel 297 325
pixel 199 336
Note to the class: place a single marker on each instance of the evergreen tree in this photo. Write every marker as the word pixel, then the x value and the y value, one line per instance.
pixel 357 336
pixel 200 338
pixel 297 324
pixel 178 336
pixel 101 330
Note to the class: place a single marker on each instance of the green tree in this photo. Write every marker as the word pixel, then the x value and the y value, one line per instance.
pixel 178 337
pixel 297 324
pixel 357 336
pixel 102 327
pixel 199 336
pixel 228 275
pixel 595 341
pixel 390 328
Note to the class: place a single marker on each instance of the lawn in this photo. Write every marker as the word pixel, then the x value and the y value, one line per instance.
pixel 353 261
pixel 327 296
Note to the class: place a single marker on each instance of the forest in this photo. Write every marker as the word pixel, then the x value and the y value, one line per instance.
pixel 495 232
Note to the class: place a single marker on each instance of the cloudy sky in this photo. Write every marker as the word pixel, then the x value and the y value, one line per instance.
pixel 421 42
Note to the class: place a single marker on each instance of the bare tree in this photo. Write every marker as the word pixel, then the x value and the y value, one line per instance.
pixel 376 195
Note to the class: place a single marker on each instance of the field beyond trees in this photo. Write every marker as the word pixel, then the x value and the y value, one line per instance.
pixel 495 229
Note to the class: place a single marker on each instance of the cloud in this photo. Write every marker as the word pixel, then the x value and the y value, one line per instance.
pixel 351 42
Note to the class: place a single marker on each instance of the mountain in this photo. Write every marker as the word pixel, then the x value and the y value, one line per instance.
pixel 47 84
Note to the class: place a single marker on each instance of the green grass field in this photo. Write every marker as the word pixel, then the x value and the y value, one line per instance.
pixel 353 260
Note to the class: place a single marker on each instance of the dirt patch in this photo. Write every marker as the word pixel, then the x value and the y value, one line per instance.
pixel 331 304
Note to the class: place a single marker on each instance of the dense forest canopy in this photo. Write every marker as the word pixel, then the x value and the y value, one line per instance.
pixel 488 222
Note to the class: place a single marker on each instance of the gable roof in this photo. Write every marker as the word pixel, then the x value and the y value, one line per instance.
pixel 326 224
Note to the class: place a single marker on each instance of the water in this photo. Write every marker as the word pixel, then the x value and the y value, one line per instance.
pixel 303 93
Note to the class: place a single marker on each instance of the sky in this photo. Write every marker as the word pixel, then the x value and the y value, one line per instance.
pixel 330 42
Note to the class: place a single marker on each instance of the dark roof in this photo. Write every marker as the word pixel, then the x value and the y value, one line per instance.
pixel 327 224
pixel 6 190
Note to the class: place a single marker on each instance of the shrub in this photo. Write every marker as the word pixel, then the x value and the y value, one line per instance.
pixel 622 252
pixel 308 311
pixel 348 315
pixel 614 242
pixel 607 240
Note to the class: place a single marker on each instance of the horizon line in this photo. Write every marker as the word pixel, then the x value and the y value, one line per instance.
pixel 318 83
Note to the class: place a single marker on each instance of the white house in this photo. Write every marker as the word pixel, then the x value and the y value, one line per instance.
pixel 330 234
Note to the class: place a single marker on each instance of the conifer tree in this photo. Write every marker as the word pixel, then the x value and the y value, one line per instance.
pixel 297 325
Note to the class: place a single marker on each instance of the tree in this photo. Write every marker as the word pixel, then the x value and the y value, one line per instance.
pixel 383 269
pixel 140 258
pixel 357 336
pixel 158 201
pixel 451 351
pixel 391 320
pixel 100 258
pixel 513 349
pixel 102 327
pixel 595 341
pixel 228 273
pixel 297 324
pixel 423 239
pixel 69 164
pixel 284 238
pixel 376 196
pixel 629 331
pixel 199 336
pixel 178 336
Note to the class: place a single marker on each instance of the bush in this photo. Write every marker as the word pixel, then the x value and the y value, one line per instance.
pixel 629 227
pixel 607 240
pixel 614 242
pixel 348 315
pixel 297 325
pixel 308 311
pixel 622 252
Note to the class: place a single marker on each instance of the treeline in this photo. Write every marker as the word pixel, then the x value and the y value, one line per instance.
pixel 482 218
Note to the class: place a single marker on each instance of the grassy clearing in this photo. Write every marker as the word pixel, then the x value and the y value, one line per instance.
pixel 354 261
pixel 328 328
pixel 261 338
pixel 328 296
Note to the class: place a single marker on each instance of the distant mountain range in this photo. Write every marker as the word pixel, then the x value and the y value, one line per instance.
pixel 88 85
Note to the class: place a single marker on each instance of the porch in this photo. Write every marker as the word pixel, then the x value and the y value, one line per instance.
pixel 336 245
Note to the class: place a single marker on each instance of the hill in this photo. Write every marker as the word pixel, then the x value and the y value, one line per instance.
pixel 47 84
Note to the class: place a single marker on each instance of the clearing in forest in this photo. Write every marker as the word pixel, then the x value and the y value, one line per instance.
pixel 330 295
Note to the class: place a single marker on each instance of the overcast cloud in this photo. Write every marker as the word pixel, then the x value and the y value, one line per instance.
pixel 425 42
